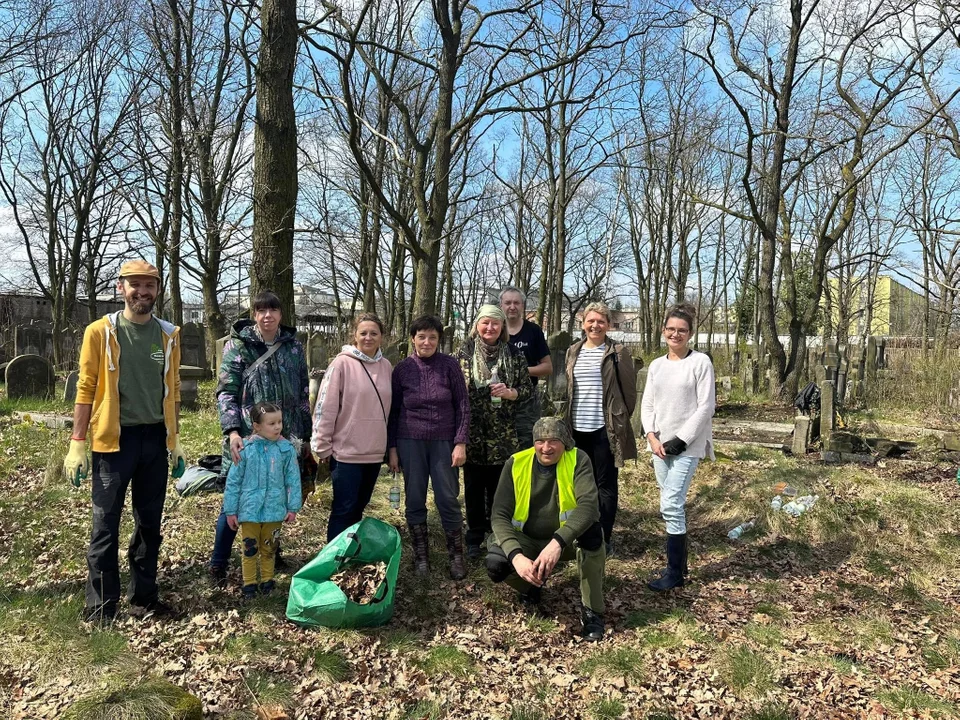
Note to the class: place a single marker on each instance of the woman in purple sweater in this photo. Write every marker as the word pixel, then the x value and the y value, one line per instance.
pixel 427 436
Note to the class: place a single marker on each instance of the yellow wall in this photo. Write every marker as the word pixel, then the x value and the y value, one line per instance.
pixel 896 309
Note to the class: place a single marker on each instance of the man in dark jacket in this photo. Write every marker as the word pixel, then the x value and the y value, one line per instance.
pixel 546 510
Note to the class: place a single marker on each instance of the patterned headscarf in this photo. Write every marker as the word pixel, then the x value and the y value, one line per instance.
pixel 487 356
pixel 553 428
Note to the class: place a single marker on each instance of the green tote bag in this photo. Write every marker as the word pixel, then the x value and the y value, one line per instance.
pixel 316 601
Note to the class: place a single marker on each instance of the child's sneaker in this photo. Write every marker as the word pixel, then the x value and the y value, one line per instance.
pixel 267 587
pixel 249 592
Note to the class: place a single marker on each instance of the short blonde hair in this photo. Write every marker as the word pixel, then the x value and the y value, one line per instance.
pixel 599 308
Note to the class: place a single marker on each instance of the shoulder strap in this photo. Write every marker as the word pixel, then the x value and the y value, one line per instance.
pixel 375 389
pixel 261 360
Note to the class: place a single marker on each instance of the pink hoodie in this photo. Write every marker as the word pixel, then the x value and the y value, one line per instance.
pixel 349 422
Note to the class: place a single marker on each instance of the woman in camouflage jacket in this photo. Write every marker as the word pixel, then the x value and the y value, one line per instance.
pixel 493 433
pixel 245 380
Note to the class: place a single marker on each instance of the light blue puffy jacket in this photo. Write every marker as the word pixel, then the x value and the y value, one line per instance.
pixel 265 485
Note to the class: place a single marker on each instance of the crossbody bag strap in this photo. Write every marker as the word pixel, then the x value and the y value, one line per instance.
pixel 375 389
pixel 261 360
pixel 616 371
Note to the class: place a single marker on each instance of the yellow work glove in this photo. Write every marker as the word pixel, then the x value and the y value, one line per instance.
pixel 75 464
pixel 178 460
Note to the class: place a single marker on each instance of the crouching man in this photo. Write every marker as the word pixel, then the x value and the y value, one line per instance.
pixel 546 510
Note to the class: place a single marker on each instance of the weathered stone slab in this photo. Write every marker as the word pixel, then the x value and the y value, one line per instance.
pixel 29 376
pixel 190 377
pixel 801 434
pixel 70 386
pixel 193 350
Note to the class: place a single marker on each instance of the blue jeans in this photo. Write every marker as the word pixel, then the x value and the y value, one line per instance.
pixel 352 489
pixel 222 543
pixel 673 477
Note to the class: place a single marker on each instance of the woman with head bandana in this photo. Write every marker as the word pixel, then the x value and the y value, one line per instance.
pixel 497 378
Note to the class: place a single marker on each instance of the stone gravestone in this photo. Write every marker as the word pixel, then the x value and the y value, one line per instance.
pixel 842 381
pixel 31 340
pixel 831 360
pixel 29 376
pixel 828 416
pixel 801 434
pixel 70 387
pixel 870 364
pixel 193 349
pixel 317 352
pixel 750 376
pixel 559 343
pixel 190 376
pixel 220 343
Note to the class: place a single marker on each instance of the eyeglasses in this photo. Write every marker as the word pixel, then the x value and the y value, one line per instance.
pixel 675 331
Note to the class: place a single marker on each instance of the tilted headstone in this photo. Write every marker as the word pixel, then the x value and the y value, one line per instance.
pixel 831 360
pixel 842 381
pixel 29 376
pixel 70 387
pixel 870 362
pixel 220 343
pixel 32 340
pixel 801 434
pixel 193 350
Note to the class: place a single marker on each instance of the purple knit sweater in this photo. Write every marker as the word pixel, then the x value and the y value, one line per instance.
pixel 430 400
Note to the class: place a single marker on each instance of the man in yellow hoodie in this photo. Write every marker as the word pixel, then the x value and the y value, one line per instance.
pixel 128 396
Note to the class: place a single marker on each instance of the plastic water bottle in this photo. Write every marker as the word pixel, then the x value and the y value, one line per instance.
pixel 740 530
pixel 494 379
pixel 777 503
pixel 958 476
pixel 798 507
pixel 395 494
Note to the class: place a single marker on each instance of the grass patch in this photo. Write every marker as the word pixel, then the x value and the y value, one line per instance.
pixel 542 625
pixel 619 662
pixel 106 647
pixel 527 712
pixel 607 709
pixel 331 665
pixel 269 690
pixel 910 699
pixel 400 641
pixel 943 654
pixel 765 635
pixel 770 711
pixel 446 659
pixel 746 671
pixel 250 644
pixel 149 700
pixel 771 610
pixel 425 710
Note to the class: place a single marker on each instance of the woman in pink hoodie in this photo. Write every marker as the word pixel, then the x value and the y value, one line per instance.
pixel 350 421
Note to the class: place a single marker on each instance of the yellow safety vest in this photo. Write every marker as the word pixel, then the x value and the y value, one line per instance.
pixel 522 479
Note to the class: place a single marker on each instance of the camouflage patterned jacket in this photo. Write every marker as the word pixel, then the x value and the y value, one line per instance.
pixel 493 432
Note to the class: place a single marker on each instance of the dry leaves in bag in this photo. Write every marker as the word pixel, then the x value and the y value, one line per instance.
pixel 361 582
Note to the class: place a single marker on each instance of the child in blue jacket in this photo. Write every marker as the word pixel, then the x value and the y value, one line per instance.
pixel 263 491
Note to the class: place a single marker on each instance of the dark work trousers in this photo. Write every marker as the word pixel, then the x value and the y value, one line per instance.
pixel 353 485
pixel 430 459
pixel 479 485
pixel 140 463
pixel 596 445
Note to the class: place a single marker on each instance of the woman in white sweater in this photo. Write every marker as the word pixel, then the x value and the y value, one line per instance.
pixel 677 410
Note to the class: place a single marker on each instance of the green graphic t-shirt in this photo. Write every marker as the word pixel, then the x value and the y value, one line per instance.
pixel 141 372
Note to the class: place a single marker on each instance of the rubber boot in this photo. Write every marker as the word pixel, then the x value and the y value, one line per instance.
pixel 593 625
pixel 421 549
pixel 676 560
pixel 458 564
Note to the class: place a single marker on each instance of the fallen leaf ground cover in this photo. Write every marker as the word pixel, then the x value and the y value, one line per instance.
pixel 850 611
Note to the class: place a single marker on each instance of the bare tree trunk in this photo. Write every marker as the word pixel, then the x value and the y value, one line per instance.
pixel 275 156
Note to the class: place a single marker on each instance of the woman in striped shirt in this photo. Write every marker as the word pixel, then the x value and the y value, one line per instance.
pixel 602 392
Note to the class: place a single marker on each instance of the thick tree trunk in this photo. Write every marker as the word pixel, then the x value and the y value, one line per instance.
pixel 275 156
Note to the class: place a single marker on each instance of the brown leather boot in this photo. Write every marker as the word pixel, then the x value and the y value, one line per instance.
pixel 421 549
pixel 458 565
